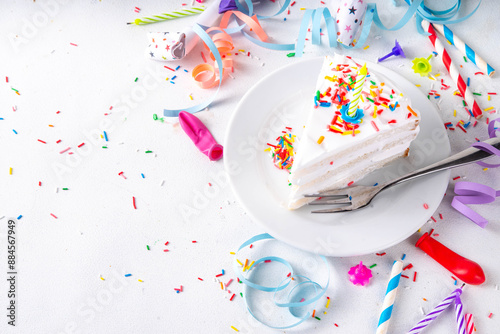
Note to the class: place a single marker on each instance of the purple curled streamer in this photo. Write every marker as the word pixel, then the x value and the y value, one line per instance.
pixel 475 193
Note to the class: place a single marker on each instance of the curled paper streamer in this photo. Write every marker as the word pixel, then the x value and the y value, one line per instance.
pixel 301 282
pixel 473 193
pixel 350 15
pixel 204 74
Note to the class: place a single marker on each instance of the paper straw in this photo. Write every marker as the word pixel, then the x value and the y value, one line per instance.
pixel 358 87
pixel 464 48
pixel 459 311
pixel 435 312
pixel 390 296
pixel 452 70
pixel 169 16
pixel 469 323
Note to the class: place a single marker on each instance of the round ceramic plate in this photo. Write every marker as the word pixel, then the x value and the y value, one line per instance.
pixel 283 99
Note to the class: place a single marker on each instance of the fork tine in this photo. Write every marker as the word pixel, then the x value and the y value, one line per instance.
pixel 341 209
pixel 330 193
pixel 322 201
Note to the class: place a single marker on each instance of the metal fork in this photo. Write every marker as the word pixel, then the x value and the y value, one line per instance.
pixel 353 198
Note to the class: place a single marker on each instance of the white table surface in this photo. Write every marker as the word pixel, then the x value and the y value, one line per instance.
pixel 98 233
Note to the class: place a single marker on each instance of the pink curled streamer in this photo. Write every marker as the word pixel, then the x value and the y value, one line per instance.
pixel 475 193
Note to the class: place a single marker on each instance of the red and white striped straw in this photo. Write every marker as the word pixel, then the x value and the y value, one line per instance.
pixel 452 70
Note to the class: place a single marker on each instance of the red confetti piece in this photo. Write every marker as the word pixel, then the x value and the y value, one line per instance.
pixel 41 141
pixel 380 254
pixel 81 144
pixel 230 299
pixel 434 219
pixel 73 44
pixel 194 241
pixel 171 69
pixel 133 202
pixel 53 215
pixel 426 206
pixel 414 276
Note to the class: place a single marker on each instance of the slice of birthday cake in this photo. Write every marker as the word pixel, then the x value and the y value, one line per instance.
pixel 358 123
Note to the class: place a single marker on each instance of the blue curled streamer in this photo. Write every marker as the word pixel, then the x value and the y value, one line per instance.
pixel 417 8
pixel 208 41
pixel 320 291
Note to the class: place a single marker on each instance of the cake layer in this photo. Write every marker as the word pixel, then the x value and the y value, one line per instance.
pixel 352 171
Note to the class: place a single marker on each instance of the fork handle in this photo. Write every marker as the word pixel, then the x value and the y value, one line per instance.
pixel 465 157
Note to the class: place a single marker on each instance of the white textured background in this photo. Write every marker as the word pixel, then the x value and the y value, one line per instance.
pixel 98 233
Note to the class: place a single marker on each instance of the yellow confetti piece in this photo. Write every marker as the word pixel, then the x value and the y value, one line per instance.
pixel 366 47
pixel 235 328
pixel 241 264
pixel 232 253
pixel 454 113
pixel 266 150
pixel 438 74
pixel 102 278
pixel 10 171
pixel 140 280
pixel 488 109
pixel 418 85
pixel 320 139
pixel 345 133
pixel 251 264
pixel 485 169
pixel 327 303
pixel 221 286
pixel 374 111
pixel 489 98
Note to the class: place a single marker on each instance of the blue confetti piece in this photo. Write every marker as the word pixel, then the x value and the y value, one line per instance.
pixel 142 175
pixel 128 275
pixel 20 216
pixel 178 67
pixel 14 131
pixel 175 76
pixel 105 136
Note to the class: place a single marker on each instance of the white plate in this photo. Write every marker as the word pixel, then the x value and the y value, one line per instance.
pixel 283 98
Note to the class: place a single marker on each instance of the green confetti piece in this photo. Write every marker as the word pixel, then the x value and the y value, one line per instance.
pixel 64 188
pixel 465 59
pixel 478 94
pixel 291 54
pixel 147 246
pixel 136 79
pixel 104 147
pixel 148 152
pixel 155 117
pixel 317 318
pixel 373 265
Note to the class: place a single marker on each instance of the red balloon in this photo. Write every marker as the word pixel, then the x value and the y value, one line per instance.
pixel 464 269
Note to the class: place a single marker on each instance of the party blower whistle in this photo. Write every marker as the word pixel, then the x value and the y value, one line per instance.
pixel 466 270
pixel 200 136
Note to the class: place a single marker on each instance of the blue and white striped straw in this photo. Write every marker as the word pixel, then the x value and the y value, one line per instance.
pixel 390 296
pixel 464 49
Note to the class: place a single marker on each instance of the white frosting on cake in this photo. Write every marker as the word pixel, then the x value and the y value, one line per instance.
pixel 341 159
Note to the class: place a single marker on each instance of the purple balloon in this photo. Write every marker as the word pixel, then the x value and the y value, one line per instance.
pixel 226 5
